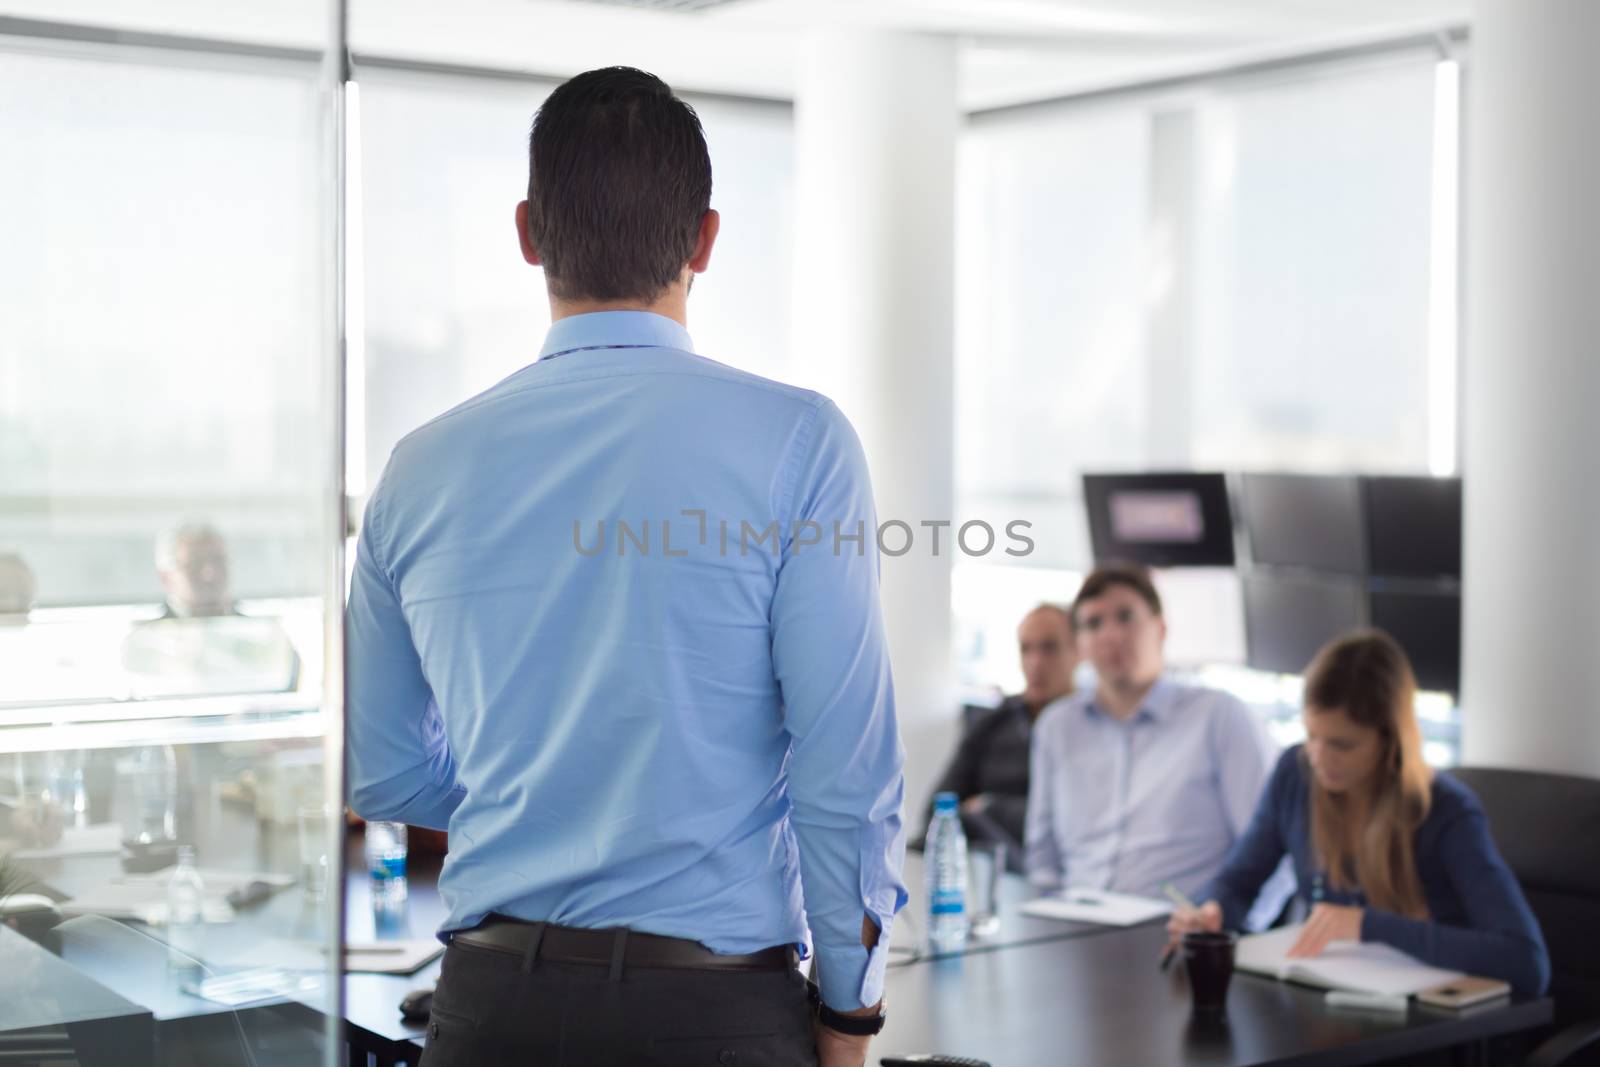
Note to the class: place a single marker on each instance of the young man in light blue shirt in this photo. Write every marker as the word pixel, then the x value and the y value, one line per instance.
pixel 615 625
pixel 1142 781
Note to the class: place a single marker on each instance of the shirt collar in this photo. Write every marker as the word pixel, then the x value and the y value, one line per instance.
pixel 1158 704
pixel 614 329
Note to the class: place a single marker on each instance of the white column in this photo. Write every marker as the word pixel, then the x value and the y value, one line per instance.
pixel 1169 295
pixel 876 119
pixel 1531 654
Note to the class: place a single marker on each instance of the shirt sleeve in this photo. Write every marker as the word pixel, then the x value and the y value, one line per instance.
pixel 1502 938
pixel 1245 756
pixel 1258 851
pixel 399 759
pixel 846 768
pixel 1044 862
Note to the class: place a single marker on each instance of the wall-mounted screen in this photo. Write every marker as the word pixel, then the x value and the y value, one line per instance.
pixel 1413 527
pixel 1289 618
pixel 1160 520
pixel 1428 627
pixel 1308 521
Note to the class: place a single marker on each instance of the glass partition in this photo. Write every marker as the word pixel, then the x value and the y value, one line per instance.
pixel 171 520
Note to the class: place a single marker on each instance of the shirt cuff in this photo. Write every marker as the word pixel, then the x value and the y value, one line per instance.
pixel 850 976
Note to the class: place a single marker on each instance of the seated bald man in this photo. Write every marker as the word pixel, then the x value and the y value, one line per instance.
pixel 989 771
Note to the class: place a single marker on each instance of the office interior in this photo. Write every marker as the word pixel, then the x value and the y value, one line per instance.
pixel 1312 283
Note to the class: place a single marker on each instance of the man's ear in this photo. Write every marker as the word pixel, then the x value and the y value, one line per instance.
pixel 529 253
pixel 710 226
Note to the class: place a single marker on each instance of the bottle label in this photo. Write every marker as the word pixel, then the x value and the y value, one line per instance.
pixel 948 902
pixel 388 867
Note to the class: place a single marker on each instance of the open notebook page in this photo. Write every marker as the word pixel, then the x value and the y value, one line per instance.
pixel 1362 967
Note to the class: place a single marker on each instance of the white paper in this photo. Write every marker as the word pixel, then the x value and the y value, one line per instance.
pixel 104 839
pixel 218 883
pixel 247 987
pixel 1098 906
pixel 1361 967
pixel 391 957
pixel 141 901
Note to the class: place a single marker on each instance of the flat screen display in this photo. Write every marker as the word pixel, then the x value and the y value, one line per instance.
pixel 1428 627
pixel 1304 521
pixel 1289 618
pixel 1160 520
pixel 1413 527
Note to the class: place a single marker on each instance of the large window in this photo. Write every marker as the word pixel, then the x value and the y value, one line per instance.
pixel 1312 271
pixel 160 322
pixel 1050 376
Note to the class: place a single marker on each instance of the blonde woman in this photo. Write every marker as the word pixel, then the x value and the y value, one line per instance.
pixel 1384 849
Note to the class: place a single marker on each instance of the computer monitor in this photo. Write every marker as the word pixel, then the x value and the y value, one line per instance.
pixel 1160 520
pixel 1288 618
pixel 1413 527
pixel 1428 627
pixel 1299 520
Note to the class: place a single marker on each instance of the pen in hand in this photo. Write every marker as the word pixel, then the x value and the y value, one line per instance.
pixel 1175 895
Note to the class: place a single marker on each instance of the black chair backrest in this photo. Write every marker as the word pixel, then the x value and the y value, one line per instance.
pixel 972 713
pixel 1547 826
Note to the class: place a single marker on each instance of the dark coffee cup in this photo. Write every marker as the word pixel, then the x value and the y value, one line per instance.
pixel 1208 958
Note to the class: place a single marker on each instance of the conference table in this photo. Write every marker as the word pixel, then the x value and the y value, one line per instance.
pixel 129 960
pixel 1031 991
pixel 1035 991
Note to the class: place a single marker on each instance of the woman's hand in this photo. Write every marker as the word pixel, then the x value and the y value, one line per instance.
pixel 1207 918
pixel 1328 922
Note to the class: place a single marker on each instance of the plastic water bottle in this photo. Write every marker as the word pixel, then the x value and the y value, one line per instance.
pixel 186 893
pixel 155 789
pixel 386 864
pixel 945 863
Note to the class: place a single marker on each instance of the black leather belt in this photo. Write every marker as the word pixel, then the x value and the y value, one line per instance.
pixel 616 948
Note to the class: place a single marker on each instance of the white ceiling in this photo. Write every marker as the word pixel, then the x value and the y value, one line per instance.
pixel 1011 50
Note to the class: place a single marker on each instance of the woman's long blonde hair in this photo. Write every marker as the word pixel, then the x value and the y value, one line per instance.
pixel 1367 676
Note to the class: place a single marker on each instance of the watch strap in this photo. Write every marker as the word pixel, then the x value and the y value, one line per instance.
pixel 852 1025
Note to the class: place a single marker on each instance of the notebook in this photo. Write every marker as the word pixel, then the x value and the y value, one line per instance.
pixel 1097 906
pixel 1360 967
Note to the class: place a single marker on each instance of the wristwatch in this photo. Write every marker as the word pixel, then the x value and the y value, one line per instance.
pixel 853 1025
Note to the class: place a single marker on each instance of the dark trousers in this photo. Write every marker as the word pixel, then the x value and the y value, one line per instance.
pixel 488 1010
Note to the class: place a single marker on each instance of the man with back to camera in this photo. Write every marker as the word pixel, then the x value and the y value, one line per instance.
pixel 652 748
pixel 1143 781
pixel 989 771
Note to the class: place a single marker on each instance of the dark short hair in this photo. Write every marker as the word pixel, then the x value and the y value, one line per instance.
pixel 1128 575
pixel 619 181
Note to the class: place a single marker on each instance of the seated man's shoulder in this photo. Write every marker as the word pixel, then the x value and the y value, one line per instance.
pixel 979 719
pixel 1207 700
pixel 1057 716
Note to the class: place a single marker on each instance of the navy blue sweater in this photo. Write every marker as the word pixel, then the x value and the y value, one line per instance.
pixel 1478 920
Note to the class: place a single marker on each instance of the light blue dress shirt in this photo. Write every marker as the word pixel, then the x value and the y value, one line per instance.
pixel 615 625
pixel 1159 797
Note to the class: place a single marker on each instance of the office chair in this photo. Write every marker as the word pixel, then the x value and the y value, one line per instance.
pixel 1547 826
